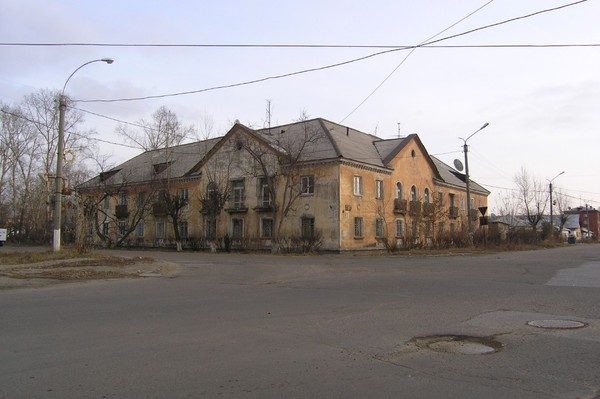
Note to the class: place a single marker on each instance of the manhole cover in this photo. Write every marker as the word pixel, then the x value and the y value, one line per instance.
pixel 556 324
pixel 460 344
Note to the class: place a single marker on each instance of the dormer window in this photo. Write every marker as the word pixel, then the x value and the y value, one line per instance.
pixel 158 168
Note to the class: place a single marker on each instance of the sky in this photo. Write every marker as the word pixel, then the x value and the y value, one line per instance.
pixel 542 103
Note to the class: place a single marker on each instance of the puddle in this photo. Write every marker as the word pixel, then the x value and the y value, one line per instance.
pixel 556 324
pixel 459 344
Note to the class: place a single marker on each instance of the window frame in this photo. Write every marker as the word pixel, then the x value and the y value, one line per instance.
pixel 358 227
pixel 358 185
pixel 379 228
pixel 400 230
pixel 307 227
pixel 263 235
pixel 307 185
pixel 379 190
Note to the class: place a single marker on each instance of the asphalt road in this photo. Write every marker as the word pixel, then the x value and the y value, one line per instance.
pixel 262 326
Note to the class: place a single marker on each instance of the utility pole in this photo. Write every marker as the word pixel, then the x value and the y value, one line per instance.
pixel 62 107
pixel 552 203
pixel 467 179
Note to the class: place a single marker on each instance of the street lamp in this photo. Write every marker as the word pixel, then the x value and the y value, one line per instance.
pixel 467 180
pixel 62 106
pixel 551 213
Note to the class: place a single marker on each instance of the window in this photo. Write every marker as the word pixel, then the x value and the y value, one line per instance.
pixel 426 196
pixel 415 229
pixel 211 191
pixel 452 227
pixel 440 199
pixel 379 189
pixel 379 228
pixel 183 195
pixel 210 226
pixel 413 194
pixel 264 194
pixel 399 192
pixel 441 228
pixel 183 229
pixel 141 199
pixel 399 228
pixel 307 184
pixel 266 228
pixel 105 229
pixel 122 198
pixel 462 203
pixel 122 228
pixel 139 230
pixel 428 228
pixel 358 227
pixel 452 200
pixel 161 196
pixel 238 194
pixel 308 227
pixel 106 202
pixel 237 229
pixel 358 185
pixel 160 229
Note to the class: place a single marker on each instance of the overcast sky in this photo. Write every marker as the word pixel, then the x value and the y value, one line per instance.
pixel 542 104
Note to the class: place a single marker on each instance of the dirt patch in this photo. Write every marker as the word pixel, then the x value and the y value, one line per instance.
pixel 48 272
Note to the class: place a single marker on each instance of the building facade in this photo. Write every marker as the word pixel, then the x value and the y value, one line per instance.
pixel 312 185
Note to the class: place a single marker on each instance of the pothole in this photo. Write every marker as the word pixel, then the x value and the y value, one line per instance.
pixel 556 324
pixel 459 344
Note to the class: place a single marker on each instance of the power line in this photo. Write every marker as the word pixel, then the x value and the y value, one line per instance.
pixel 430 41
pixel 321 68
pixel 16 115
pixel 404 60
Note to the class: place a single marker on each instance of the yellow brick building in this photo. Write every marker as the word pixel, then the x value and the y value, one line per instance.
pixel 312 184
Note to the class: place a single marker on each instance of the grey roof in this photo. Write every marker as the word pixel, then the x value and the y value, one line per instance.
pixel 329 141
pixel 451 176
pixel 173 162
pixel 332 141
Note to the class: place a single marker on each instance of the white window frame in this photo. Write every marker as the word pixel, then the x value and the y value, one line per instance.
pixel 379 189
pixel 358 185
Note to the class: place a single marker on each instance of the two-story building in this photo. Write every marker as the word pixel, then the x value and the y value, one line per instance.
pixel 312 180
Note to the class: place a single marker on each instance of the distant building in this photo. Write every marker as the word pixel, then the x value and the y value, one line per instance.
pixel 589 220
pixel 310 180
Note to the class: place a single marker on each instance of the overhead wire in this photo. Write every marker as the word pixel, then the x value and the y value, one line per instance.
pixel 406 58
pixel 330 66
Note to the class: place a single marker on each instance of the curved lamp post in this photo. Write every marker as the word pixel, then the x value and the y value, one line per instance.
pixel 62 106
pixel 467 180
pixel 551 214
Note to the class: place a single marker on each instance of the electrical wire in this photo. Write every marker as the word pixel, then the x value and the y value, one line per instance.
pixel 406 58
pixel 330 66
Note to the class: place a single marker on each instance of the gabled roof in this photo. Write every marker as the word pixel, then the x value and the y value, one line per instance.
pixel 173 162
pixel 330 141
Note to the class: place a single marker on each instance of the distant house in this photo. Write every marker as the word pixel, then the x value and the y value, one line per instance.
pixel 589 220
pixel 504 224
pixel 307 181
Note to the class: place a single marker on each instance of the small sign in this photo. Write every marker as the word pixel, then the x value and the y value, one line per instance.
pixel 2 234
pixel 483 210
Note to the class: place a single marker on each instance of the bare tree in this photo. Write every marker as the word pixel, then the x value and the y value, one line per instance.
pixel 533 198
pixel 278 159
pixel 164 130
